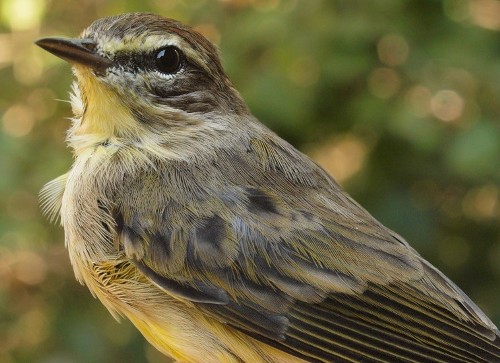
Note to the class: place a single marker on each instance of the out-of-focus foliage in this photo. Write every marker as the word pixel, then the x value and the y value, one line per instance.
pixel 400 100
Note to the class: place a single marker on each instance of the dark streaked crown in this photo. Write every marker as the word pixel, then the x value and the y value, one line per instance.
pixel 133 42
pixel 128 26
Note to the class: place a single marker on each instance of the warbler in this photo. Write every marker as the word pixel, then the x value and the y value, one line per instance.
pixel 219 240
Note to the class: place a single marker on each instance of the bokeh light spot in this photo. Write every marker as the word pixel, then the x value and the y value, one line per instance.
pixel 481 202
pixel 485 13
pixel 447 105
pixel 30 268
pixel 393 50
pixel 343 157
pixel 22 14
pixel 384 82
pixel 18 120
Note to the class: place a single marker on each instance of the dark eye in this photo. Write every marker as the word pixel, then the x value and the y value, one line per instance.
pixel 168 60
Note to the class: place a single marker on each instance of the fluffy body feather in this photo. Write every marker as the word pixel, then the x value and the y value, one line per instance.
pixel 220 241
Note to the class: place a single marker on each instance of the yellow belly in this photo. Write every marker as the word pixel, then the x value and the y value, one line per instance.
pixel 175 327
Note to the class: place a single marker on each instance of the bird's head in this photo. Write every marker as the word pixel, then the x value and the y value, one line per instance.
pixel 142 77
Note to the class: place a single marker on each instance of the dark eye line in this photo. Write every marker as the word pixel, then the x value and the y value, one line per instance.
pixel 135 61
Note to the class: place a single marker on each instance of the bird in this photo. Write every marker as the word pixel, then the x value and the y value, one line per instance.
pixel 219 240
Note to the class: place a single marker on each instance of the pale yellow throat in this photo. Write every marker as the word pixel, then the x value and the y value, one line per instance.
pixel 99 112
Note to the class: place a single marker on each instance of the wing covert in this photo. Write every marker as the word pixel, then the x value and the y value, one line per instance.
pixel 312 274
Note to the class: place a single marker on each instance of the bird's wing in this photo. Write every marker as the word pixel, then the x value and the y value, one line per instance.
pixel 306 270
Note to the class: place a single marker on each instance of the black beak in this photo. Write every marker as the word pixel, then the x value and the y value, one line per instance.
pixel 81 51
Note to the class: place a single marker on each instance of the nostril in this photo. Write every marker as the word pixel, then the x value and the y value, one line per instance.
pixel 89 44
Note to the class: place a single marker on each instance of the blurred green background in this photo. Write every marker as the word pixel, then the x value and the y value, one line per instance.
pixel 400 100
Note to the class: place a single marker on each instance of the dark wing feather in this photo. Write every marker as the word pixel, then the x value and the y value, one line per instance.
pixel 265 242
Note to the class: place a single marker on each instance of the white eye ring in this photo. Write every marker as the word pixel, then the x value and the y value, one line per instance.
pixel 169 75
